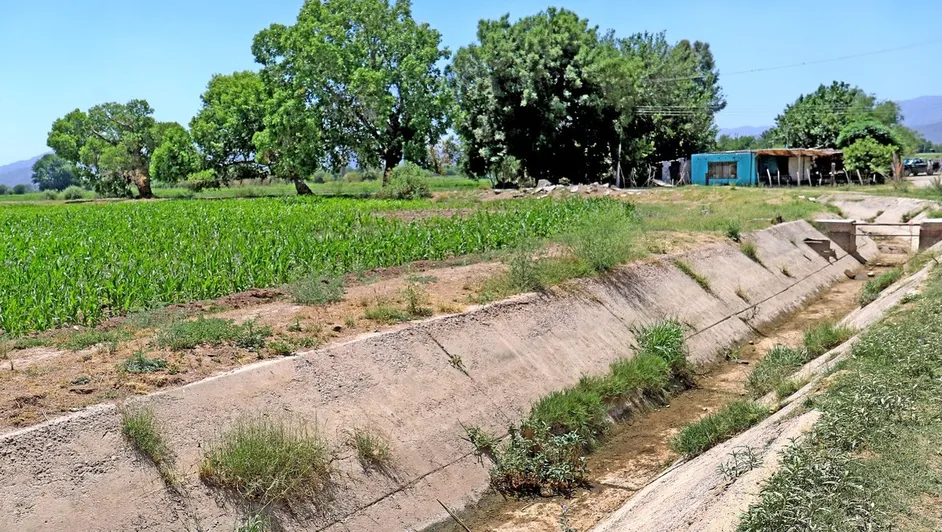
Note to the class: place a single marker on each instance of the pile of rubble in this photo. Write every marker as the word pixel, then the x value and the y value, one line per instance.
pixel 545 188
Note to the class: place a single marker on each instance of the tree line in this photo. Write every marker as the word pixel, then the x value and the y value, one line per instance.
pixel 840 116
pixel 361 82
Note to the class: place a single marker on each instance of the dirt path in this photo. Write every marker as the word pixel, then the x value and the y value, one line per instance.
pixel 638 452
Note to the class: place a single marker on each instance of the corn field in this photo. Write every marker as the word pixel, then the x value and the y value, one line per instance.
pixel 79 264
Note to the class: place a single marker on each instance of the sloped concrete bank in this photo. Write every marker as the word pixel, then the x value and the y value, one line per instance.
pixel 695 496
pixel 77 472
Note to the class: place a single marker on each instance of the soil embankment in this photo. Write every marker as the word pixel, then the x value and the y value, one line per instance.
pixel 418 384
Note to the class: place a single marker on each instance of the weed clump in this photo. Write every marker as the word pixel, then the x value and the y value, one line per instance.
pixel 777 365
pixel 718 427
pixel 733 228
pixel 140 363
pixel 268 460
pixel 316 290
pixel 872 289
pixel 212 332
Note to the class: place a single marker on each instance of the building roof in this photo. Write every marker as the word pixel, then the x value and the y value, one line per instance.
pixel 785 152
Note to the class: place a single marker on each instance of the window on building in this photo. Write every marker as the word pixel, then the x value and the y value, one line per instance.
pixel 725 170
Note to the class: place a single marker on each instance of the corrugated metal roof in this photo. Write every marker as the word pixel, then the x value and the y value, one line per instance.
pixel 795 152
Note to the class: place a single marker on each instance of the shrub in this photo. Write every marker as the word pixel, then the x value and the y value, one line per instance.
pixel 353 176
pixel 50 195
pixel 4 190
pixel 20 189
pixel 416 301
pixel 383 312
pixel 406 182
pixel 316 289
pixel 322 176
pixel 717 427
pixel 73 192
pixel 198 181
pixel 268 460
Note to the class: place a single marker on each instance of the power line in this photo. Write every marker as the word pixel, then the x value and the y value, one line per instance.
pixel 805 63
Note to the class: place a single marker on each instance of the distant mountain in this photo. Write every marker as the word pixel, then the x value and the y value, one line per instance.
pixel 744 131
pixel 18 173
pixel 924 114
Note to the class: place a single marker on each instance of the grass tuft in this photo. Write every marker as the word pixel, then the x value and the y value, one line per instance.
pixel 823 337
pixel 141 429
pixel 688 271
pixel 733 229
pixel 872 289
pixel 718 427
pixel 270 460
pixel 749 249
pixel 372 449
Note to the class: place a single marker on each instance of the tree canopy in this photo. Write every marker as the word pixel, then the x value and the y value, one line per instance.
pixel 52 172
pixel 549 97
pixel 815 120
pixel 111 145
pixel 351 80
pixel 233 112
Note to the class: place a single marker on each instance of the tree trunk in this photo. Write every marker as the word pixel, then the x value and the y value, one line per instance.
pixel 301 187
pixel 143 188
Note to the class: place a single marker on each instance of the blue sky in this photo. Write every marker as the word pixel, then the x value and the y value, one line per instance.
pixel 58 55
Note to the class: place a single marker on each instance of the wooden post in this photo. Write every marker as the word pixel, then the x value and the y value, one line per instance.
pixel 833 169
pixel 770 176
pixel 778 175
pixel 859 177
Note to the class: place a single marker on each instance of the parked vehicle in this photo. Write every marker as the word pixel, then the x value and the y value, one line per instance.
pixel 915 167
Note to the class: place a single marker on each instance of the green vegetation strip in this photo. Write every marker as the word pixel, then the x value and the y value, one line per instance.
pixel 547 451
pixel 718 427
pixel 872 289
pixel 871 462
pixel 81 263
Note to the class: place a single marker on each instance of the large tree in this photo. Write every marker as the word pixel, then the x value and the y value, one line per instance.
pixel 111 144
pixel 233 112
pixel 351 79
pixel 548 97
pixel 815 120
pixel 52 172
pixel 526 91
